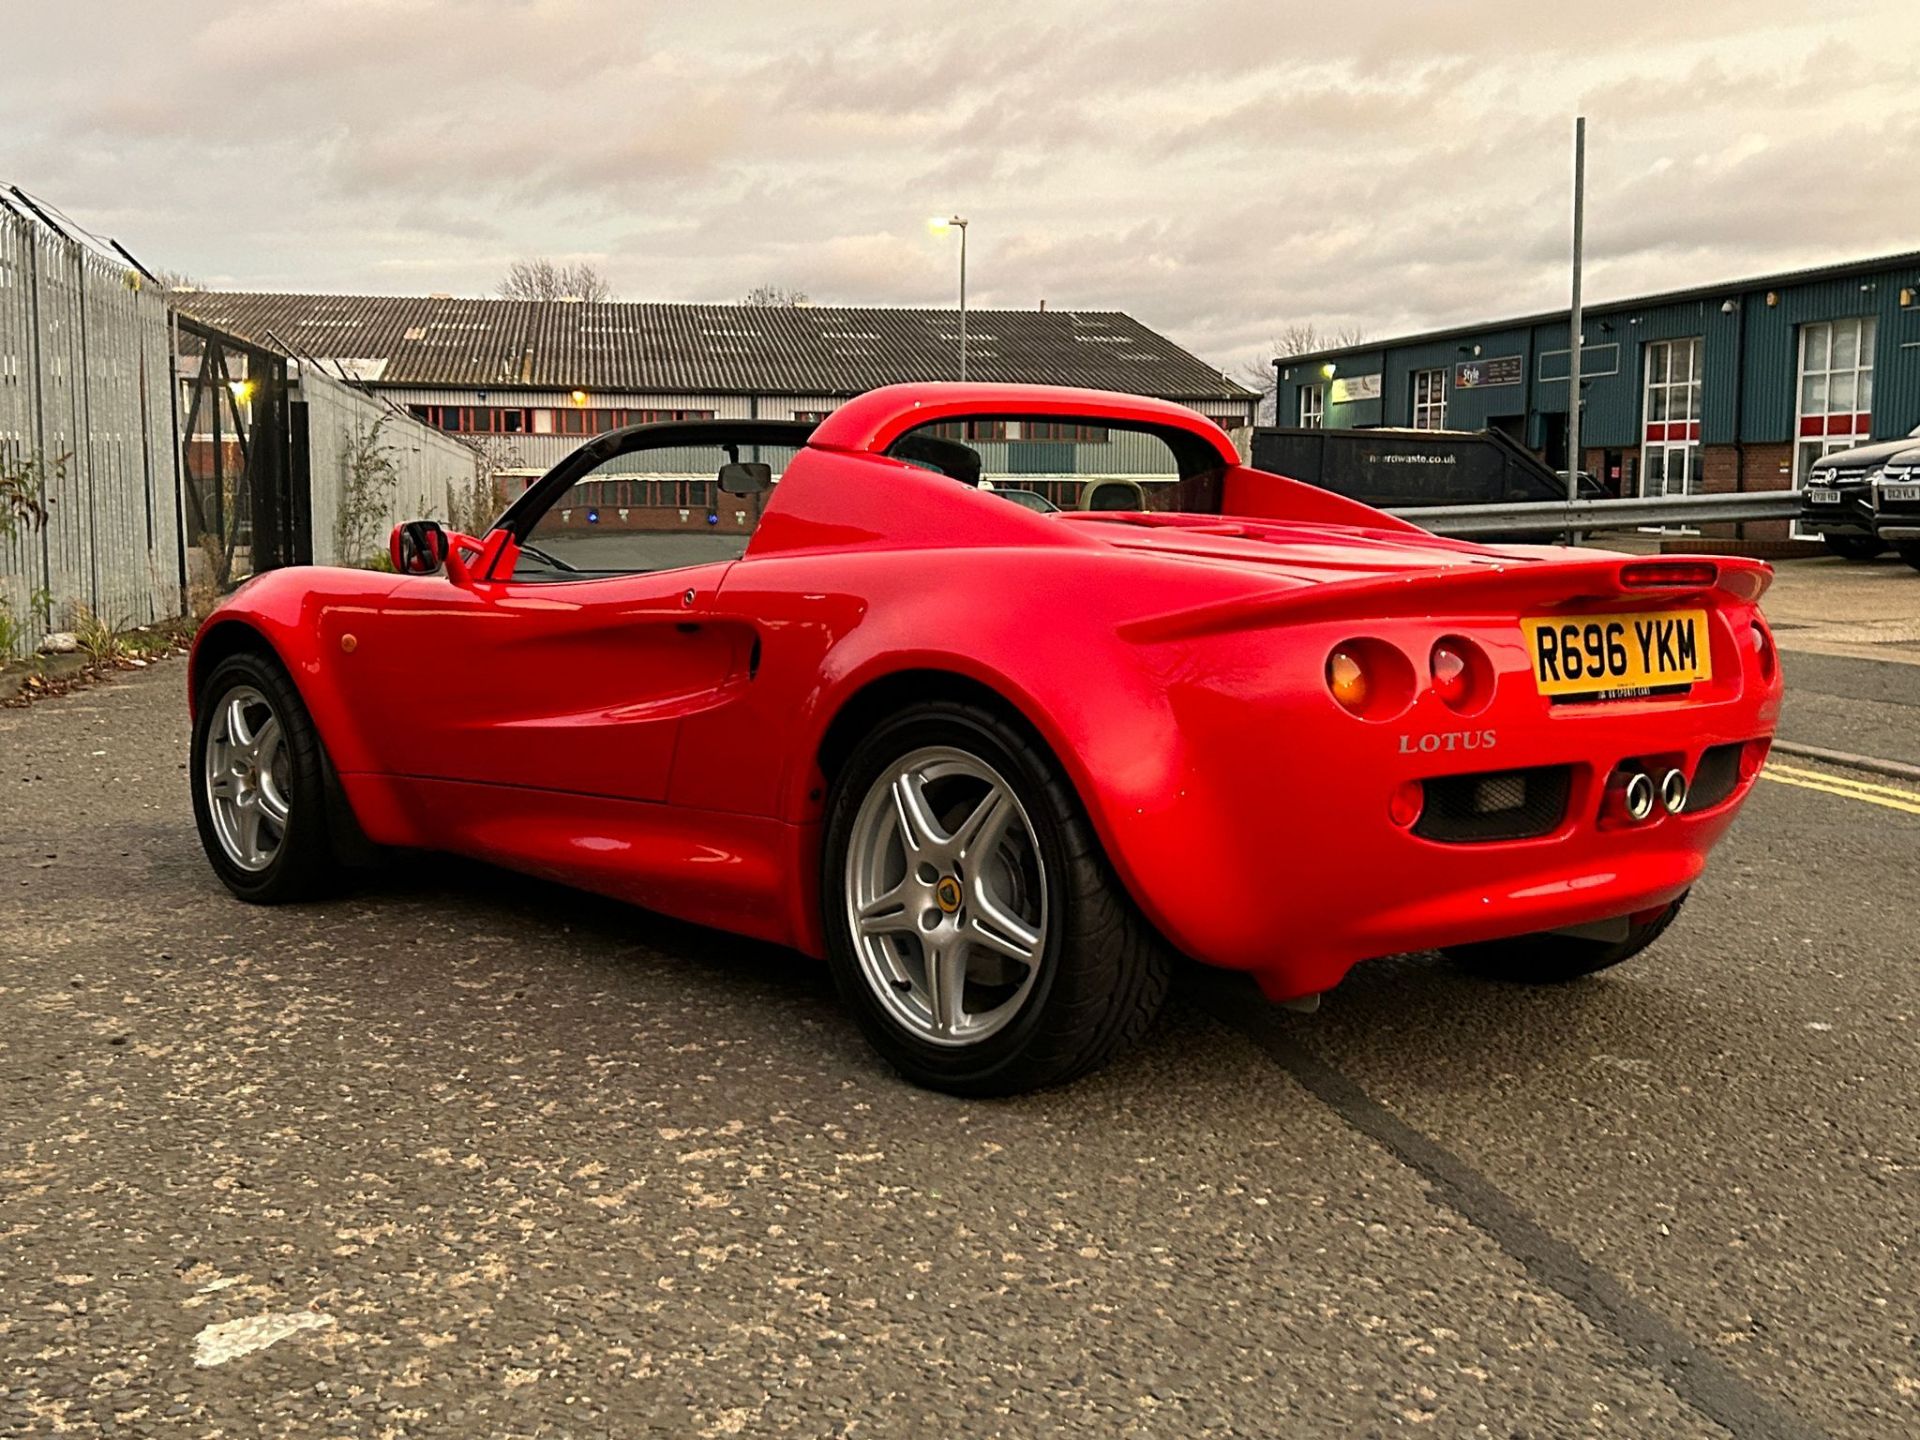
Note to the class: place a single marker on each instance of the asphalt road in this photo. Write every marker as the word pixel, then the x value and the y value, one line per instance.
pixel 496 1159
pixel 1862 707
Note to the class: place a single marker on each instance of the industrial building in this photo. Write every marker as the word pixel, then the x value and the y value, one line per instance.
pixel 529 380
pixel 1727 387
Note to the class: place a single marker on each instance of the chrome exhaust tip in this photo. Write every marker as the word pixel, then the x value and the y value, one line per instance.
pixel 1673 791
pixel 1639 796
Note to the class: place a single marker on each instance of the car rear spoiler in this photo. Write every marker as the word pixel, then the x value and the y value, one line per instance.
pixel 1501 587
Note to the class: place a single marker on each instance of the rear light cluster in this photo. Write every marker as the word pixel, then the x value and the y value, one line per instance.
pixel 1373 680
pixel 1763 648
pixel 1669 575
pixel 1370 678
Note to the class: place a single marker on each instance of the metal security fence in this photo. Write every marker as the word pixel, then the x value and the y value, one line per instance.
pixel 86 436
pixel 150 462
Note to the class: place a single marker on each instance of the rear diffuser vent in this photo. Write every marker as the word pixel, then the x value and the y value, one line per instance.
pixel 1495 805
pixel 1716 778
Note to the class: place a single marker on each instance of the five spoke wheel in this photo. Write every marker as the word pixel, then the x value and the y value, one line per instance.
pixel 246 774
pixel 946 896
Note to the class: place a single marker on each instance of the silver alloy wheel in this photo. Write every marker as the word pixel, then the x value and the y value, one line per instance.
pixel 946 896
pixel 247 778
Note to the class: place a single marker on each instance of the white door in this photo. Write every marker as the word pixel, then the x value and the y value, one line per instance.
pixel 1835 393
pixel 1670 429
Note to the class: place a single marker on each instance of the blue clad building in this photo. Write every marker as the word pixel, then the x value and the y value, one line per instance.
pixel 1724 387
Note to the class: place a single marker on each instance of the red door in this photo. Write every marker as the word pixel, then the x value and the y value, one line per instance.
pixel 579 687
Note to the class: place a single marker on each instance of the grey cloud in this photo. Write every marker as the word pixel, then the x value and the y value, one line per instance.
pixel 1219 171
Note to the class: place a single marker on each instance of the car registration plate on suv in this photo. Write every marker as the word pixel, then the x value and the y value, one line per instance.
pixel 1608 657
pixel 1900 492
pixel 1822 495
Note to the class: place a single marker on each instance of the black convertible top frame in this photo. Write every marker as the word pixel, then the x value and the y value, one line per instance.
pixel 523 514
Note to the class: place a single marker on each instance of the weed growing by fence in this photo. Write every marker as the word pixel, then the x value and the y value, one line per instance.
pixel 366 494
pixel 23 492
pixel 100 640
pixel 472 508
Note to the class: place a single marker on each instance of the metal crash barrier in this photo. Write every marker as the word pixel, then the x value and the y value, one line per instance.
pixel 1536 517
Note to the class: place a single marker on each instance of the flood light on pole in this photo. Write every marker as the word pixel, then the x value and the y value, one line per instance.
pixel 940 227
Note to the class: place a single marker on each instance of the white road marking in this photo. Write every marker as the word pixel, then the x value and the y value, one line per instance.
pixel 1888 796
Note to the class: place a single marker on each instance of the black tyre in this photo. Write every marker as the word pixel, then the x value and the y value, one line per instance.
pixel 1909 551
pixel 973 923
pixel 1854 547
pixel 1547 959
pixel 259 780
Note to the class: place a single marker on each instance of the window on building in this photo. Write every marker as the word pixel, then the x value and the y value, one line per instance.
pixel 1313 406
pixel 475 419
pixel 1429 399
pixel 968 430
pixel 585 420
pixel 1836 390
pixel 816 416
pixel 1670 431
pixel 1063 430
pixel 655 417
pixel 565 420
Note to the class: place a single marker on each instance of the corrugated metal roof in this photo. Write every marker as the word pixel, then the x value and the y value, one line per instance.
pixel 1779 280
pixel 814 349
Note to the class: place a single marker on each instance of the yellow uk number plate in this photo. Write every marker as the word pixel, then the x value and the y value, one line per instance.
pixel 1618 656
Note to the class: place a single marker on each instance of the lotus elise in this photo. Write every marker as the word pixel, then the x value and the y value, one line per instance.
pixel 1000 758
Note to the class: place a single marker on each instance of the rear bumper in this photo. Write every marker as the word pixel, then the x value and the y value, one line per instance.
pixel 1528 886
pixel 1359 885
pixel 1281 855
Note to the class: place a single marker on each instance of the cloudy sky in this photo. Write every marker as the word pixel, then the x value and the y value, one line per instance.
pixel 1220 170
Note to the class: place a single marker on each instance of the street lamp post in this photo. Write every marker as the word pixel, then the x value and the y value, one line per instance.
pixel 940 227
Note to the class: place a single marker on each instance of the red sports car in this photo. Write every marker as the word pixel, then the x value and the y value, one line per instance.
pixel 999 699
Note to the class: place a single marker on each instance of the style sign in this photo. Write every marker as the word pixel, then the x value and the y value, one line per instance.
pixel 1348 388
pixel 1481 374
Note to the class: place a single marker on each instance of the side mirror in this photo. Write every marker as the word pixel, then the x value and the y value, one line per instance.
pixel 746 477
pixel 418 547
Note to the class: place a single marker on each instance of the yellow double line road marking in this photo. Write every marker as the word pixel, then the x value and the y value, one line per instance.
pixel 1889 796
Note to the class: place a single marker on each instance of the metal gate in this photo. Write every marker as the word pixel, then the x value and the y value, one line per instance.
pixel 242 513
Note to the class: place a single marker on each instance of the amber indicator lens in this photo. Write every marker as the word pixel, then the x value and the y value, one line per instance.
pixel 1347 678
